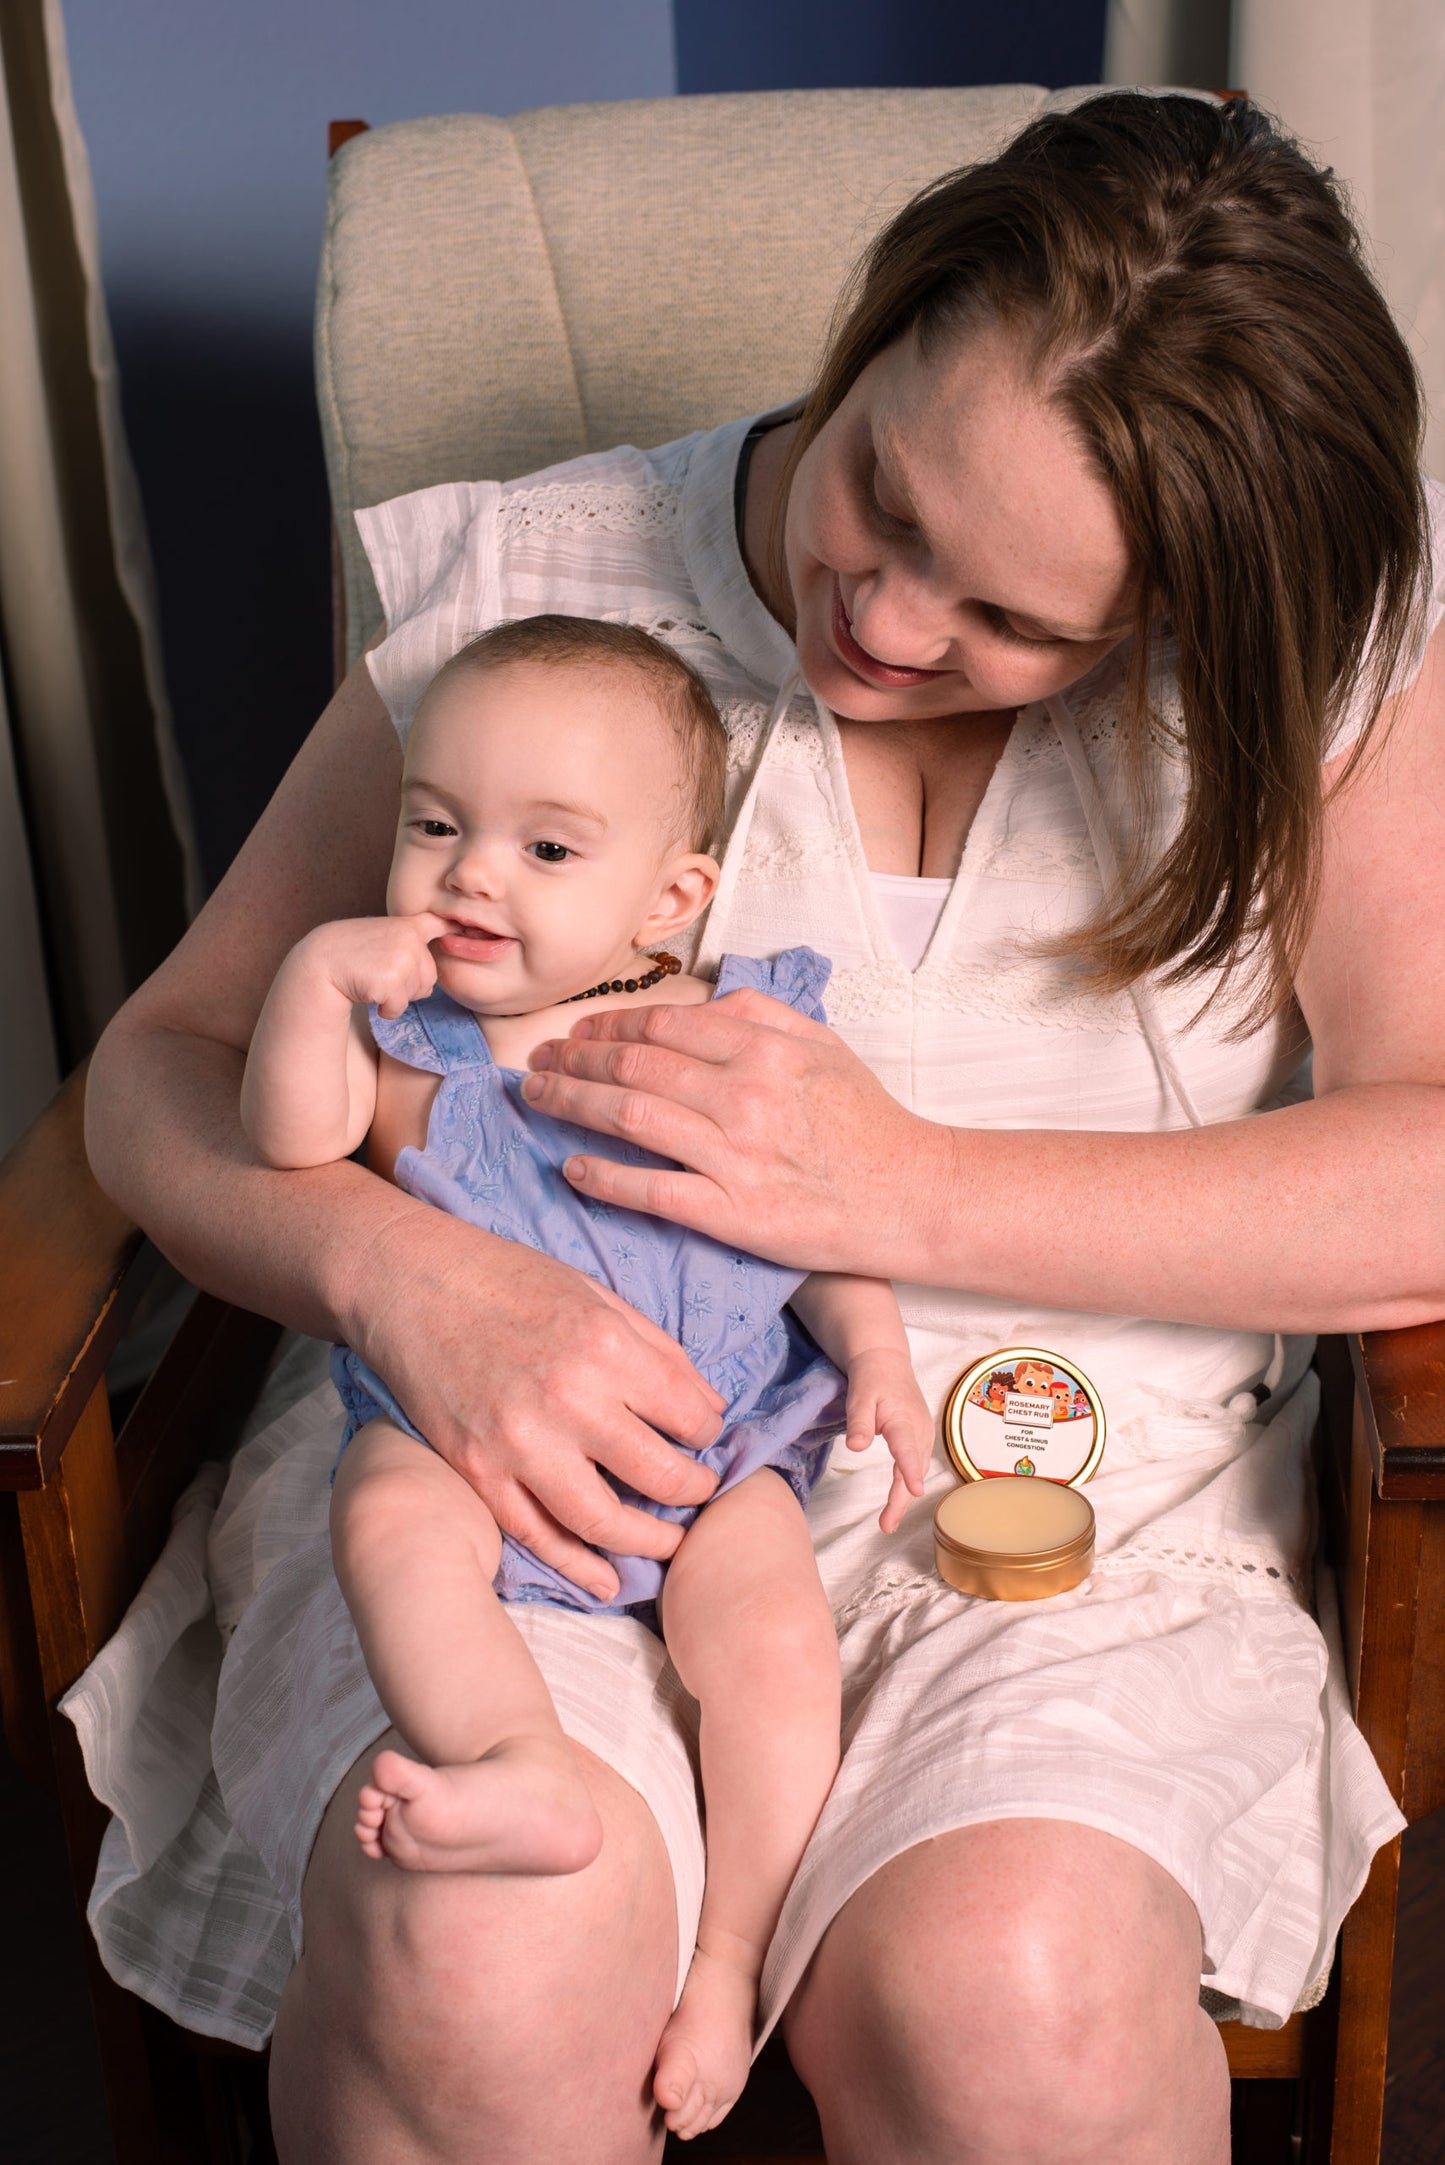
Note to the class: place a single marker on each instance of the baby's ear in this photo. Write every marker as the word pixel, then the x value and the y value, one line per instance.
pixel 685 888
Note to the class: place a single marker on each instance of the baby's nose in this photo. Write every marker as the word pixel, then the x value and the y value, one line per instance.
pixel 475 872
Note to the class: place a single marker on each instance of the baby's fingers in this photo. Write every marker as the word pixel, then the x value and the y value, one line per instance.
pixel 899 1498
pixel 861 1431
pixel 908 1432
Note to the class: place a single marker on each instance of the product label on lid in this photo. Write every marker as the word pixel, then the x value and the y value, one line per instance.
pixel 1026 1412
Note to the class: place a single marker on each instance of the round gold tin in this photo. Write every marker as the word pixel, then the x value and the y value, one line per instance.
pixel 996 1555
pixel 1024 1429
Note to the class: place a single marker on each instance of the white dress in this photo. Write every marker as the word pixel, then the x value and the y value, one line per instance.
pixel 1183 1698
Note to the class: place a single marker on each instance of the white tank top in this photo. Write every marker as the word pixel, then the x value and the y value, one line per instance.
pixel 910 908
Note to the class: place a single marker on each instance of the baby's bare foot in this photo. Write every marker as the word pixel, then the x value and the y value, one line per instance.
pixel 524 1807
pixel 707 2047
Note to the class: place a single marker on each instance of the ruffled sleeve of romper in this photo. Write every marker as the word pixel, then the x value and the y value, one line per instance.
pixel 799 976
pixel 406 1038
pixel 1412 658
pixel 435 560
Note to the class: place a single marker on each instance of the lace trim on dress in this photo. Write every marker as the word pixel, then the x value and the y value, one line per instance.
pixel 1035 743
pixel 580 507
pixel 797 743
pixel 1043 991
pixel 1052 860
pixel 1248 1568
pixel 792 856
pixel 876 988
pixel 669 629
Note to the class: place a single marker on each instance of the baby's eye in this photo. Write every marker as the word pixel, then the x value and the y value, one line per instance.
pixel 551 852
pixel 435 829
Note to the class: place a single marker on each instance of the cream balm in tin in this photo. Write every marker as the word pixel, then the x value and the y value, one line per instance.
pixel 1010 1540
pixel 1025 1429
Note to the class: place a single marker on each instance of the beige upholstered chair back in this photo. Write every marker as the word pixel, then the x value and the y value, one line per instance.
pixel 499 294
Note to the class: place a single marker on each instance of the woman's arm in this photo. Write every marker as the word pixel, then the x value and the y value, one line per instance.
pixel 1326 1216
pixel 522 1372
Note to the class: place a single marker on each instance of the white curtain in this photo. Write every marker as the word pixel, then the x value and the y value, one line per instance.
pixel 95 865
pixel 1362 84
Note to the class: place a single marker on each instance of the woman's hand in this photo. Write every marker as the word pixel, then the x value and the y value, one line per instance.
pixel 527 1377
pixel 792 1147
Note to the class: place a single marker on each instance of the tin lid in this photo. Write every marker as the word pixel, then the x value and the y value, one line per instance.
pixel 1024 1411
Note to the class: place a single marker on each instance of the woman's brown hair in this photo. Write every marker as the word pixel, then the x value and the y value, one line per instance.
pixel 1191 293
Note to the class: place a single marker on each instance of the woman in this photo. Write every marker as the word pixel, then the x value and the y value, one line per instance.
pixel 1120 417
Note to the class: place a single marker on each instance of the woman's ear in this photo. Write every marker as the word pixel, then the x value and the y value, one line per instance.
pixel 686 886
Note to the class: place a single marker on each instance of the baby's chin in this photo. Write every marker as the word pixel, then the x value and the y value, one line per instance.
pixel 460 983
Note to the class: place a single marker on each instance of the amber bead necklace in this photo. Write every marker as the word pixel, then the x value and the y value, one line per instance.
pixel 663 966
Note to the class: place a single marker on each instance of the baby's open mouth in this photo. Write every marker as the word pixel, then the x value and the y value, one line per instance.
pixel 474 943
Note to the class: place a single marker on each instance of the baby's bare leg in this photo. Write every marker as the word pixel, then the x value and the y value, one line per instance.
pixel 500 1791
pixel 750 1632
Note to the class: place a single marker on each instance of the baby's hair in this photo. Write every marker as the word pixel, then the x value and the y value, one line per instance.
pixel 677 691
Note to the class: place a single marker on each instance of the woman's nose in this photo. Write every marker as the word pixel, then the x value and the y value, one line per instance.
pixel 897 618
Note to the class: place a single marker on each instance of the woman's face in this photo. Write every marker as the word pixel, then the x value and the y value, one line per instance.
pixel 950 547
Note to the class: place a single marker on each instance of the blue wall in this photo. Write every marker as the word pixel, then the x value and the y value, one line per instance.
pixel 207 133
pixel 834 44
pixel 206 126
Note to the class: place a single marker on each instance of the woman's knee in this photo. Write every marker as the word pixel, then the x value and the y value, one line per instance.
pixel 1001 1992
pixel 479 1974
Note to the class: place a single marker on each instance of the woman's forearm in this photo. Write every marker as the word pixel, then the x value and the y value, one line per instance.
pixel 1324 1216
pixel 164 1136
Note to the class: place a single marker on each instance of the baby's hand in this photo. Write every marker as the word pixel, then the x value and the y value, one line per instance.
pixel 884 1400
pixel 381 961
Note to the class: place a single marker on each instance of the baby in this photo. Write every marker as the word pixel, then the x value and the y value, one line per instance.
pixel 563 781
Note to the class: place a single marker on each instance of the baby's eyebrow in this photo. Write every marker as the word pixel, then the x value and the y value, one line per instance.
pixel 559 807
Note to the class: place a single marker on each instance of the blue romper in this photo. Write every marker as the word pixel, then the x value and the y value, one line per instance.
pixel 494 1160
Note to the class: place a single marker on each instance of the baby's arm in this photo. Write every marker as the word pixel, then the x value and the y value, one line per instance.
pixel 857 1324
pixel 309 1091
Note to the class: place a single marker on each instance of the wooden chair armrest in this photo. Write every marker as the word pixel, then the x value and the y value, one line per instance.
pixel 1383 1489
pixel 65 1250
pixel 1400 1382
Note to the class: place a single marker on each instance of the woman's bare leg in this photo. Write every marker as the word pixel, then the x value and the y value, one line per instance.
pixel 749 1630
pixel 1013 1994
pixel 496 1787
pixel 438 2019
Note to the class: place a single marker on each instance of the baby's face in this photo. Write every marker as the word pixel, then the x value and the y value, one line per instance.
pixel 534 816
